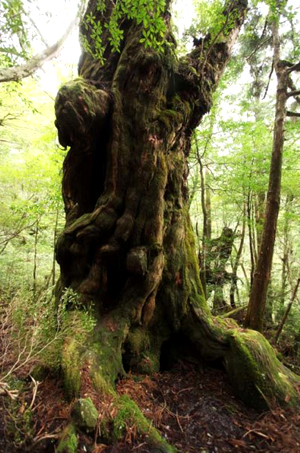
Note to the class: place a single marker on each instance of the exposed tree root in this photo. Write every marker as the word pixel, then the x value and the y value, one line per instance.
pixel 91 371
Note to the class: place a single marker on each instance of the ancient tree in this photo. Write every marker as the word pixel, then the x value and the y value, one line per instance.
pixel 128 246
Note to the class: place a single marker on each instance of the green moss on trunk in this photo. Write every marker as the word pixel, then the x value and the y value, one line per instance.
pixel 129 246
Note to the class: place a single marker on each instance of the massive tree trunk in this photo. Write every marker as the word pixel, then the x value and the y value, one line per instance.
pixel 128 245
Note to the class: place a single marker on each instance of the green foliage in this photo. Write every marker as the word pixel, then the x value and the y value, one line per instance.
pixel 17 418
pixel 15 41
pixel 34 332
pixel 209 16
pixel 212 19
pixel 235 145
pixel 33 328
pixel 81 317
pixel 146 13
pixel 25 28
pixel 30 184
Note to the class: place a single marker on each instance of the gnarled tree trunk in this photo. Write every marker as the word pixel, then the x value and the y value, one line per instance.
pixel 128 245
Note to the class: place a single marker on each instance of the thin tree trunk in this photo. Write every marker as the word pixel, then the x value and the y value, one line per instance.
pixel 254 230
pixel 206 209
pixel 246 276
pixel 286 251
pixel 259 216
pixel 251 245
pixel 256 308
pixel 208 205
pixel 204 231
pixel 55 233
pixel 235 266
pixel 288 309
pixel 34 272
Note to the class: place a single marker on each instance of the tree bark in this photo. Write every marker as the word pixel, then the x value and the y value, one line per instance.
pixel 128 246
pixel 251 236
pixel 288 309
pixel 259 216
pixel 35 255
pixel 287 250
pixel 257 303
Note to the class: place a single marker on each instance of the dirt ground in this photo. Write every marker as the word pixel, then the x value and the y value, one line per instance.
pixel 195 410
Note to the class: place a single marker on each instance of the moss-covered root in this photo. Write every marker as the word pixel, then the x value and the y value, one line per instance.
pixel 125 415
pixel 69 441
pixel 71 363
pixel 100 351
pixel 259 378
pixel 89 373
pixel 129 415
pixel 122 415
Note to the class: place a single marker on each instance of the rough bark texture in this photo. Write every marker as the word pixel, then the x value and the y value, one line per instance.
pixel 128 245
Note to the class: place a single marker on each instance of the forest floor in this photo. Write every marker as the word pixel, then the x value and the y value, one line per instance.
pixel 195 410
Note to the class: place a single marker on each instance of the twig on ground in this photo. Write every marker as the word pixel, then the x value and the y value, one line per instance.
pixel 35 388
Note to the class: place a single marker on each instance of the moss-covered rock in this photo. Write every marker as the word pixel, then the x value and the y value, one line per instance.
pixel 84 414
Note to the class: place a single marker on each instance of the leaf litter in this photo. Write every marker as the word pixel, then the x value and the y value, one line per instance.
pixel 195 411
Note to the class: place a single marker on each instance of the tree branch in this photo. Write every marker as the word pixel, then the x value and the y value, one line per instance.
pixel 295 114
pixel 269 80
pixel 293 93
pixel 295 67
pixel 36 27
pixel 17 73
pixel 258 47
pixel 201 69
pixel 9 116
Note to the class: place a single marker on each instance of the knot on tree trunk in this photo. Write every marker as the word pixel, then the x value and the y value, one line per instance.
pixel 82 119
pixel 78 107
pixel 137 261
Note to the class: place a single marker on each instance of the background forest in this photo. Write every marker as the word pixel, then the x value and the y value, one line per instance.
pixel 228 183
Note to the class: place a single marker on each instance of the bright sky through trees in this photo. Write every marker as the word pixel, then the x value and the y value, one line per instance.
pixel 52 19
